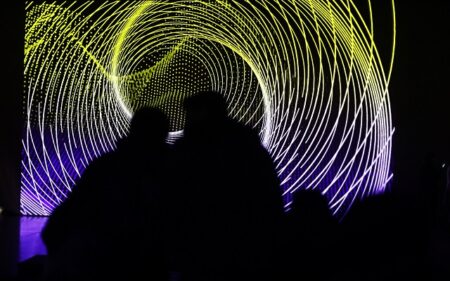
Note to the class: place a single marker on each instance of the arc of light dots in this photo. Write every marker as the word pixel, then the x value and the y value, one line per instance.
pixel 140 10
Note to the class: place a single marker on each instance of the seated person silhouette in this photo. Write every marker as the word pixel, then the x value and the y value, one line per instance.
pixel 105 228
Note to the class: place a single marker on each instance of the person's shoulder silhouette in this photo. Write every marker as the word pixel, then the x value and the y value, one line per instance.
pixel 311 205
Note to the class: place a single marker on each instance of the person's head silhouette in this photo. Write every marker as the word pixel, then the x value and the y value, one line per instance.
pixel 205 110
pixel 149 126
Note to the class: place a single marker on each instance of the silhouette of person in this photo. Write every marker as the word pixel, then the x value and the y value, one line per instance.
pixel 226 197
pixel 310 238
pixel 108 226
pixel 371 237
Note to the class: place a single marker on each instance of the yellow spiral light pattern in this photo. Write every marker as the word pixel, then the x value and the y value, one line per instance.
pixel 305 73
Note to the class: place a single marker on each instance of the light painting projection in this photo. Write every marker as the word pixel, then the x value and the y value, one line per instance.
pixel 307 75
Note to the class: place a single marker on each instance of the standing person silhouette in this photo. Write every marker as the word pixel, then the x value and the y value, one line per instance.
pixel 108 226
pixel 227 201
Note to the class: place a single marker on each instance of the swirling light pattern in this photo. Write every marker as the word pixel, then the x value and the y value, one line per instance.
pixel 305 73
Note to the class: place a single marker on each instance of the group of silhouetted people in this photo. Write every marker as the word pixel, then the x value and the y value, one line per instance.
pixel 206 208
pixel 209 207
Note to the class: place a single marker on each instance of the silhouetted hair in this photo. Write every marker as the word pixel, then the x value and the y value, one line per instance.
pixel 211 103
pixel 149 123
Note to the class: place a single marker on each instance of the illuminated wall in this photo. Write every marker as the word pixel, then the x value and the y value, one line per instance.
pixel 306 74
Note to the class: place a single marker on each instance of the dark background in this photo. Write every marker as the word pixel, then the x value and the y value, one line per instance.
pixel 12 53
pixel 419 91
